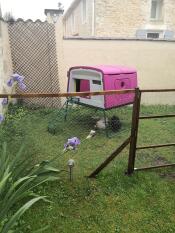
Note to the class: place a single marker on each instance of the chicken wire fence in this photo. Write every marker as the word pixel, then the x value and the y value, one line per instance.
pixel 98 131
pixel 43 128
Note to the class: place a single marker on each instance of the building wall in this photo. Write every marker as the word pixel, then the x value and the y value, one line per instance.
pixel 116 18
pixel 5 59
pixel 170 14
pixel 79 28
pixel 121 19
pixel 154 60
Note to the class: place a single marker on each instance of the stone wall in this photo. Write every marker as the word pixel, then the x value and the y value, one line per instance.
pixel 117 18
pixel 170 14
pixel 79 28
pixel 121 19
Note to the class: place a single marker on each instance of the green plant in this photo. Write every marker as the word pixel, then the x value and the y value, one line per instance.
pixel 11 125
pixel 54 127
pixel 55 124
pixel 17 182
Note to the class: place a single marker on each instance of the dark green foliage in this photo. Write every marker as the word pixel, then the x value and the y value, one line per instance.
pixel 18 179
pixel 12 124
pixel 54 127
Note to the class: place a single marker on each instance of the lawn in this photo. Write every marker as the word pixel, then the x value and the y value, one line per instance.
pixel 112 203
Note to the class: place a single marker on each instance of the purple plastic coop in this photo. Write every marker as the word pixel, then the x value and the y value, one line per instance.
pixel 102 78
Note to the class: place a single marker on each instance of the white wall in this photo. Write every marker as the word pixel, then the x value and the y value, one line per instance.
pixel 5 59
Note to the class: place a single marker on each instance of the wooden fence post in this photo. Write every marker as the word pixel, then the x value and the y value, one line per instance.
pixel 134 131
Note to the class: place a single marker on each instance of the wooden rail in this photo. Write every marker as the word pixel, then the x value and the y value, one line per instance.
pixel 154 167
pixel 155 146
pixel 157 90
pixel 71 94
pixel 156 116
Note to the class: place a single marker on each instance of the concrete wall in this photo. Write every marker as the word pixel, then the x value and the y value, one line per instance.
pixel 155 62
pixel 5 59
pixel 60 54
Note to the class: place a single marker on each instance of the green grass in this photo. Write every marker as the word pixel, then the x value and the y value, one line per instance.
pixel 112 203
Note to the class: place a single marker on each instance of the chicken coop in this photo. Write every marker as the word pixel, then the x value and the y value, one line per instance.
pixel 101 78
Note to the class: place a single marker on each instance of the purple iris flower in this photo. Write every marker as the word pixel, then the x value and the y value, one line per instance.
pixel 5 101
pixel 18 78
pixel 1 118
pixel 22 86
pixel 72 142
pixel 10 82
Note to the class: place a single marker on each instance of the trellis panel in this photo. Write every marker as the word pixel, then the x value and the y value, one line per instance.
pixel 33 48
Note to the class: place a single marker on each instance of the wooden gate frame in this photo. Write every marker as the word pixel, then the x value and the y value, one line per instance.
pixel 132 140
pixel 134 132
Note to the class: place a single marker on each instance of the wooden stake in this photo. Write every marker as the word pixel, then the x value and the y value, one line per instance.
pixel 110 158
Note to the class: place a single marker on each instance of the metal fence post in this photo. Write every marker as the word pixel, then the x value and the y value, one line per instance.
pixel 134 131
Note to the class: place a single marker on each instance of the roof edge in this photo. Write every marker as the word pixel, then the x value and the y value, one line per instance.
pixel 108 69
pixel 61 11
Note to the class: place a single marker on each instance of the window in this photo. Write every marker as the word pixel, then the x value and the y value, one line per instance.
pixel 84 11
pixel 153 35
pixel 96 82
pixel 156 9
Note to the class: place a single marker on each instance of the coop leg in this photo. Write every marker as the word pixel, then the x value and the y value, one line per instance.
pixel 106 124
pixel 66 110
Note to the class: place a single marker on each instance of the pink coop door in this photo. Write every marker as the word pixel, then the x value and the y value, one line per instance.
pixel 117 82
pixel 85 86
